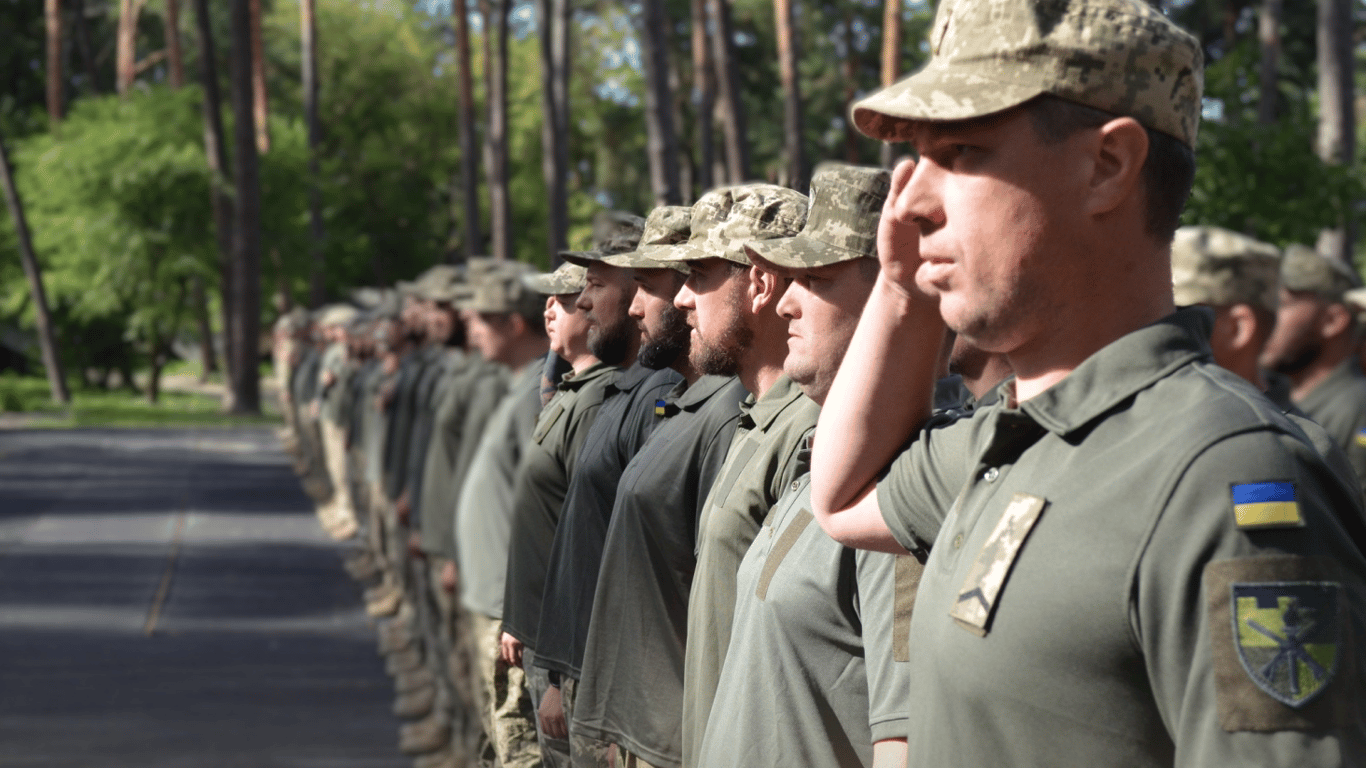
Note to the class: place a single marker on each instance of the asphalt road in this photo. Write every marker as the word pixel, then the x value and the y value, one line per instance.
pixel 168 599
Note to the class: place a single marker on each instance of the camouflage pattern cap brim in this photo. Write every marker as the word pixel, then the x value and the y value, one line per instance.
pixel 569 278
pixel 1355 300
pixel 725 220
pixel 846 206
pixel 582 258
pixel 500 291
pixel 1306 270
pixel 1120 56
pixel 1220 268
pixel 667 226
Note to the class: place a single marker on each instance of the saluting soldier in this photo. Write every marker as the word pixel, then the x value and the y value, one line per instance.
pixel 1135 556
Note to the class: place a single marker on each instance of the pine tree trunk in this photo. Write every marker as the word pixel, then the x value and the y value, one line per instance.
pixel 469 153
pixel 174 59
pixel 260 108
pixel 81 29
pixel 215 149
pixel 52 17
pixel 1269 35
pixel 661 135
pixel 704 83
pixel 728 93
pixel 125 48
pixel 47 341
pixel 246 242
pixel 308 23
pixel 794 158
pixel 1337 124
pixel 208 356
pixel 495 143
pixel 891 59
pixel 554 38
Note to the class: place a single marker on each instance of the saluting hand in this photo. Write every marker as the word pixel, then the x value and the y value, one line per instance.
pixel 898 233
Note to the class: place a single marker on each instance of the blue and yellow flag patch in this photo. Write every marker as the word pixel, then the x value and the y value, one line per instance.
pixel 1361 437
pixel 1266 505
pixel 661 407
pixel 1287 635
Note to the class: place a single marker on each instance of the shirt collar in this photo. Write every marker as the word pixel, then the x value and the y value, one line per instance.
pixel 573 381
pixel 1121 369
pixel 631 378
pixel 761 413
pixel 690 398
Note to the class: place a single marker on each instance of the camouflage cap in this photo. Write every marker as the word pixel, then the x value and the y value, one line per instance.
pixel 1305 269
pixel 1120 56
pixel 1355 300
pixel 846 204
pixel 725 220
pixel 337 314
pixel 500 291
pixel 613 232
pixel 569 278
pixel 667 226
pixel 1221 268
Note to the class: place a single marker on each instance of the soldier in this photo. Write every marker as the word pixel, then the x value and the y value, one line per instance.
pixel 1135 559
pixel 334 383
pixel 1313 345
pixel 821 623
pixel 506 325
pixel 732 308
pixel 656 339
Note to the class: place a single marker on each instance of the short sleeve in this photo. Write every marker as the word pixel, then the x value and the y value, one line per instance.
pixel 918 488
pixel 886 592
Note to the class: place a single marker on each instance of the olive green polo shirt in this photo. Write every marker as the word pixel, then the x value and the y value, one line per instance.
pixel 542 481
pixel 631 689
pixel 1122 557
pixel 1338 403
pixel 816 671
pixel 760 466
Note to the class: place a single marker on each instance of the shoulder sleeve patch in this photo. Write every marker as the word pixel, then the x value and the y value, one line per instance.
pixel 1278 642
pixel 1266 505
pixel 1361 437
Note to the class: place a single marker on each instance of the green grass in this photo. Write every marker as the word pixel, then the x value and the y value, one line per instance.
pixel 114 408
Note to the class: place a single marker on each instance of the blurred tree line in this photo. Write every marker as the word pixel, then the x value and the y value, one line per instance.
pixel 448 130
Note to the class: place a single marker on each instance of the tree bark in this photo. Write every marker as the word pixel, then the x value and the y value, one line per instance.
pixel 661 135
pixel 1269 35
pixel 215 149
pixel 208 356
pixel 125 51
pixel 891 59
pixel 47 341
pixel 260 108
pixel 82 34
pixel 308 24
pixel 469 153
pixel 554 37
pixel 1337 124
pixel 495 143
pixel 52 13
pixel 728 86
pixel 794 158
pixel 246 242
pixel 704 83
pixel 174 59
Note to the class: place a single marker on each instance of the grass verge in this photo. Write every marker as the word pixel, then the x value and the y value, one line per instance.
pixel 31 397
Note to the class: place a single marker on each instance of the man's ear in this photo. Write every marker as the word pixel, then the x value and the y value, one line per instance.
pixel 1334 320
pixel 1120 149
pixel 765 288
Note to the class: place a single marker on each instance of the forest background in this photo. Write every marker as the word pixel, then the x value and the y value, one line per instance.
pixel 363 160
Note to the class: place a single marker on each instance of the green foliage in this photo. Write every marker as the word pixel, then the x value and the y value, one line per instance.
pixel 99 408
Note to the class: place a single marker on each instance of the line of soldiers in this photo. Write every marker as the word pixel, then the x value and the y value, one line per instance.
pixel 958 464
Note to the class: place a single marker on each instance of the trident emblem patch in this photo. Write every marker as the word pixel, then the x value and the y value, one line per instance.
pixel 1287 636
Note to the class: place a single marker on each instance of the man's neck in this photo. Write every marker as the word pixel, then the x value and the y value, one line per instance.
pixel 762 379
pixel 583 362
pixel 1307 380
pixel 685 369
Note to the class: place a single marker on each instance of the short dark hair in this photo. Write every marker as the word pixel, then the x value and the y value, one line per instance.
pixel 1168 172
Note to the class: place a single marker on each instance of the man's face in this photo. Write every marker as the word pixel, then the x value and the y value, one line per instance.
pixel 664 331
pixel 714 299
pixel 441 322
pixel 822 306
pixel 605 299
pixel 994 226
pixel 1298 339
pixel 567 326
pixel 492 334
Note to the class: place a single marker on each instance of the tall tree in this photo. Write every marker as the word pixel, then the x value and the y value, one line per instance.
pixel 245 382
pixel 175 62
pixel 308 33
pixel 472 237
pixel 728 92
pixel 496 138
pixel 849 70
pixel 661 135
pixel 794 159
pixel 125 44
pixel 81 28
pixel 215 149
pixel 47 341
pixel 52 12
pixel 259 105
pixel 554 37
pixel 891 58
pixel 1337 123
pixel 704 87
pixel 1269 37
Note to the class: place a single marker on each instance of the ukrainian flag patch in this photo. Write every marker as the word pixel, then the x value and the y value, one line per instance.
pixel 660 407
pixel 1266 505
pixel 1361 437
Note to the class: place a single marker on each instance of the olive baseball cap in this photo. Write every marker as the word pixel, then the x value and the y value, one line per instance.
pixel 1305 269
pixel 725 220
pixel 1219 267
pixel 500 291
pixel 846 205
pixel 667 226
pixel 569 278
pixel 614 232
pixel 986 56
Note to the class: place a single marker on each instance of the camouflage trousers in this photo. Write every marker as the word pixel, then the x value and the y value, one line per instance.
pixel 334 460
pixel 509 717
pixel 627 760
pixel 584 752
pixel 554 752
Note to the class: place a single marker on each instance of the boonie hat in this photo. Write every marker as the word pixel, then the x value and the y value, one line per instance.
pixel 986 56
pixel 725 220
pixel 846 205
pixel 569 278
pixel 1219 267
pixel 1305 269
